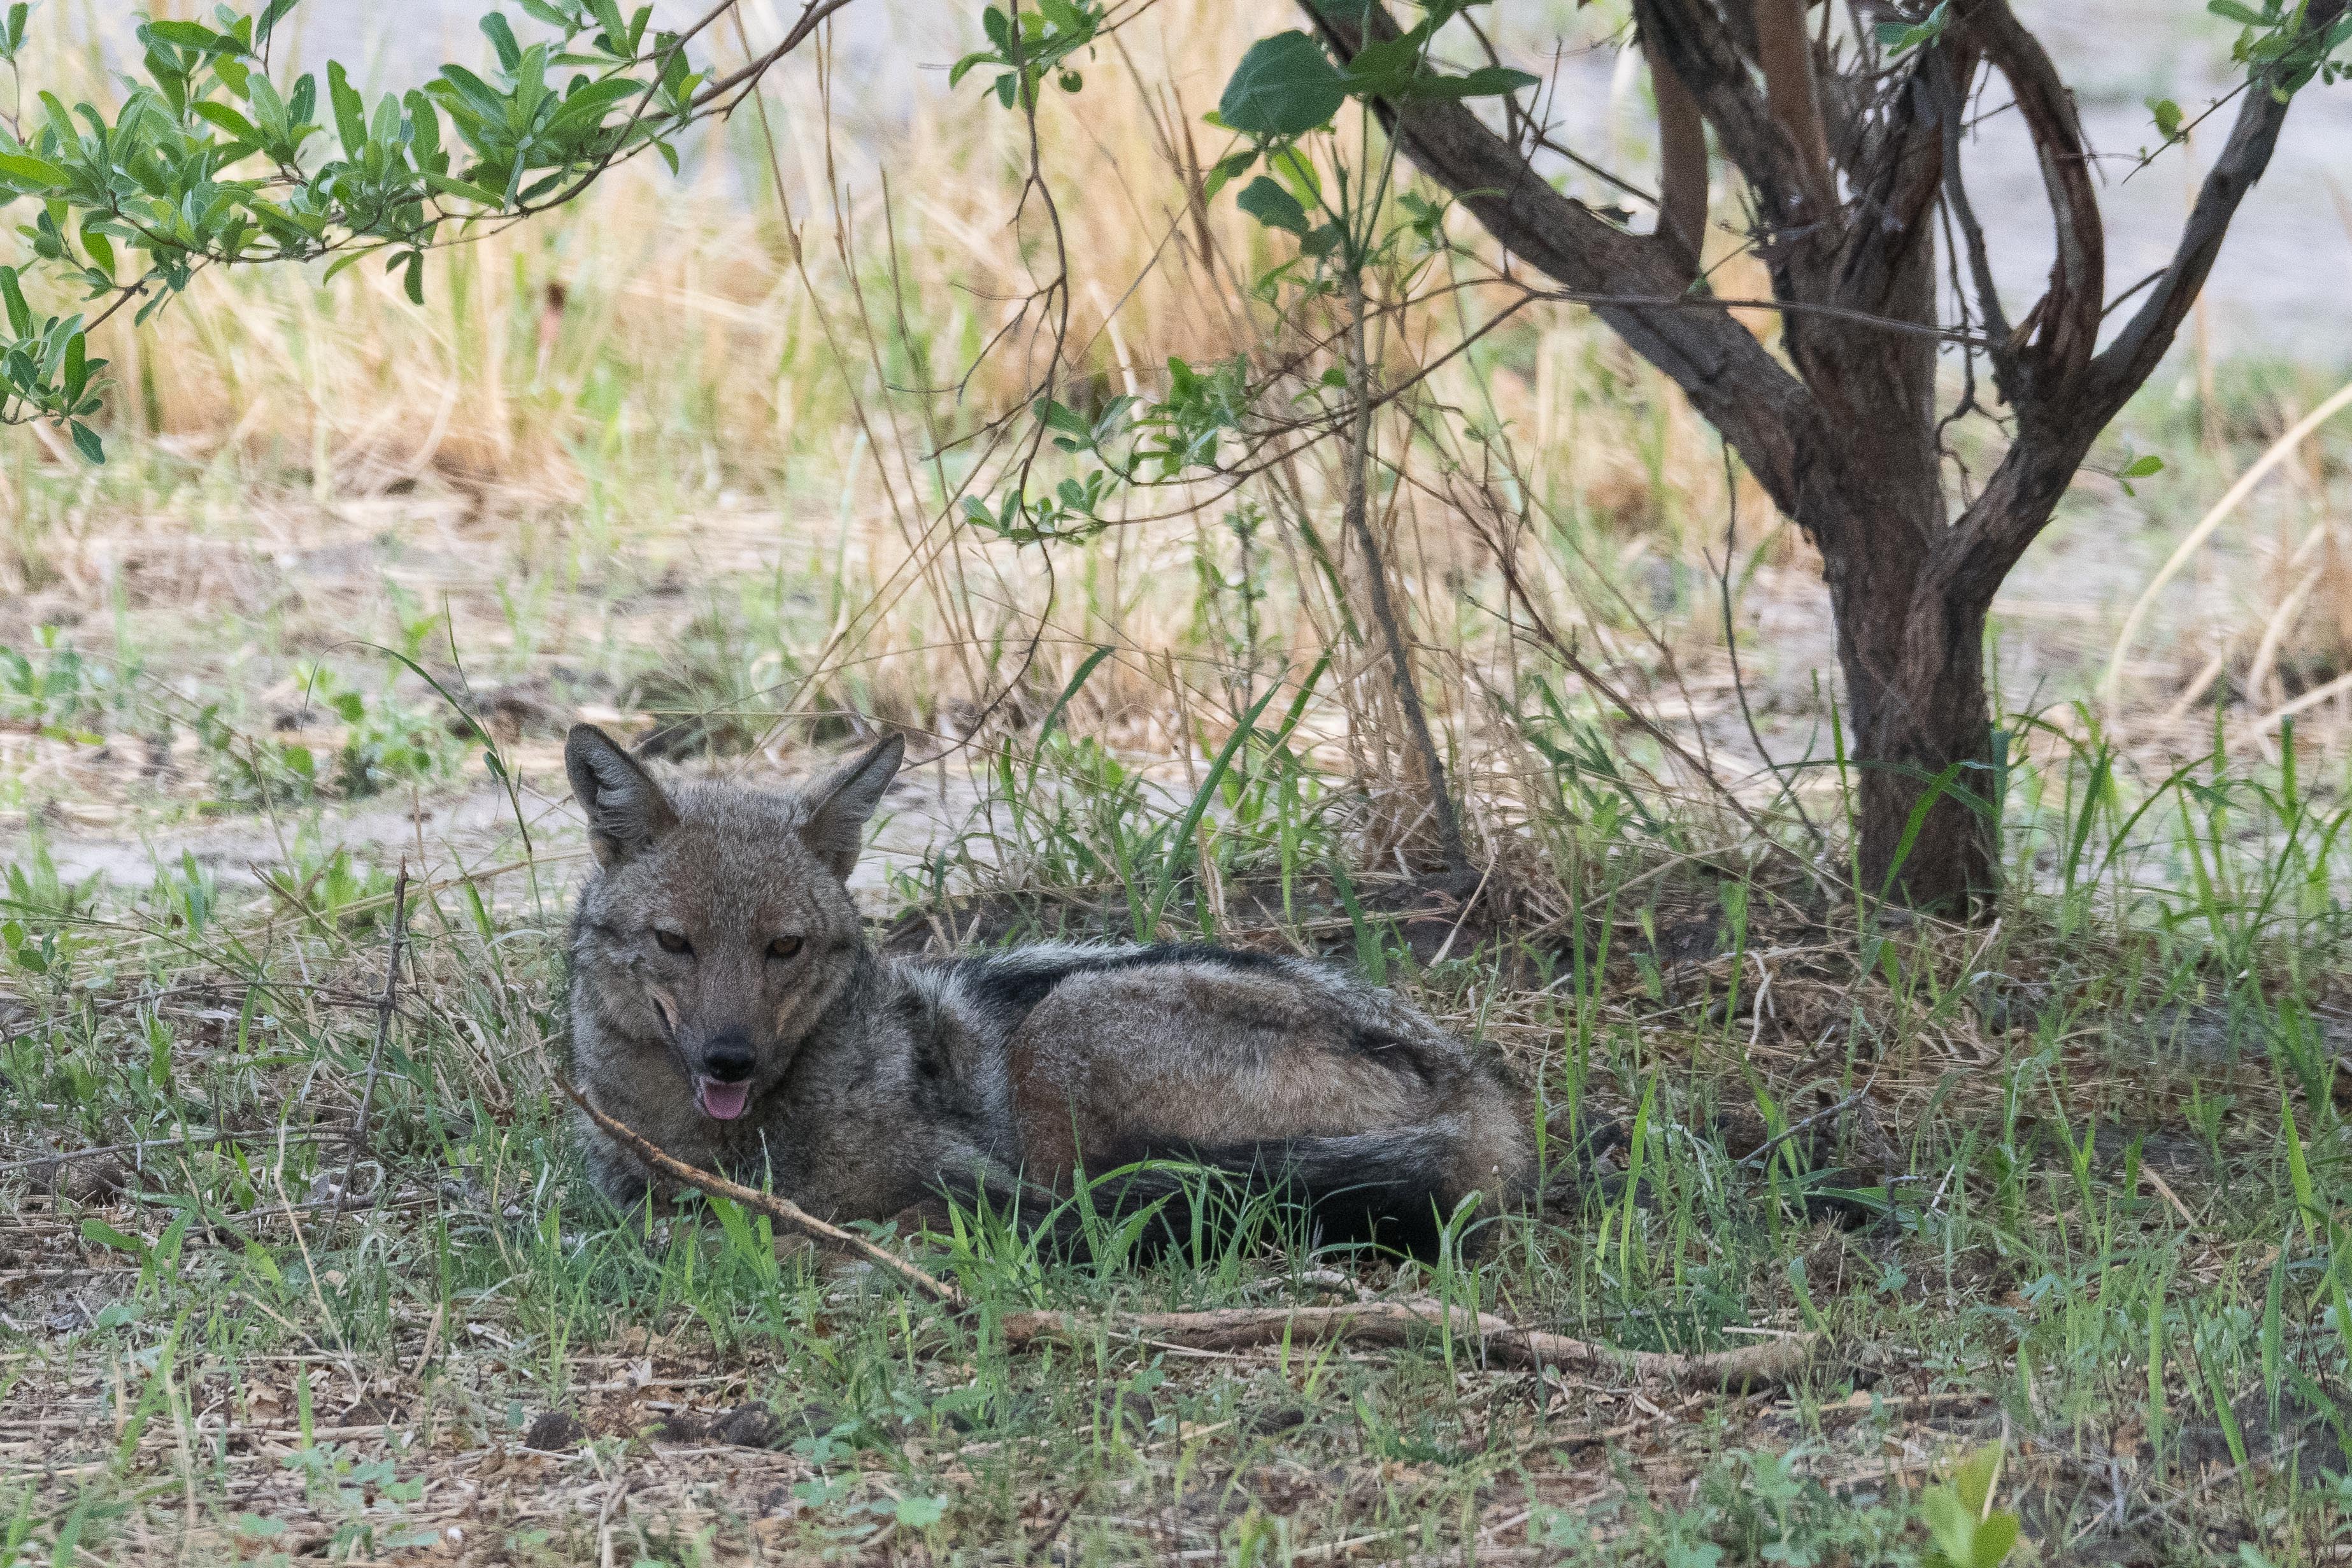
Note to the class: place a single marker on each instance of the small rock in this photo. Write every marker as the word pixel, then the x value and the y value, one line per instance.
pixel 683 1427
pixel 1265 1420
pixel 752 1425
pixel 1129 1408
pixel 555 1431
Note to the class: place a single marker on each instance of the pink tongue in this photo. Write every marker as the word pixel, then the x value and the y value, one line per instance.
pixel 722 1101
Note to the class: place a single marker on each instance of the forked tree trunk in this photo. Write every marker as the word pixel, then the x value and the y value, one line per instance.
pixel 1847 161
pixel 1869 490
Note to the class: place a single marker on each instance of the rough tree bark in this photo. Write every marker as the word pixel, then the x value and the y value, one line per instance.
pixel 1845 171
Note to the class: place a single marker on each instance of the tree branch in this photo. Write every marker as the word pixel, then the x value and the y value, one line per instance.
pixel 782 1210
pixel 1699 48
pixel 1682 159
pixel 1786 55
pixel 1767 1364
pixel 1730 378
pixel 2066 323
pixel 1772 1362
pixel 2131 357
pixel 2056 431
pixel 1951 102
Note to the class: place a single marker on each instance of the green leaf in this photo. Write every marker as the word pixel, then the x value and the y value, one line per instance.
pixel 34 173
pixel 1226 170
pixel 962 68
pixel 85 440
pixel 270 18
pixel 608 16
pixel 270 107
pixel 920 1512
pixel 1285 86
pixel 1389 65
pixel 20 314
pixel 226 118
pixel 2143 467
pixel 415 280
pixel 2306 1197
pixel 502 39
pixel 1898 37
pixel 1994 1538
pixel 454 187
pixel 189 36
pixel 1487 81
pixel 105 1235
pixel 1974 1478
pixel 2168 117
pixel 351 112
pixel 2274 1333
pixel 1267 202
pixel 425 126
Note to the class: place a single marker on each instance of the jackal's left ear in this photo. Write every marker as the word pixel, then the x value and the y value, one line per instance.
pixel 840 803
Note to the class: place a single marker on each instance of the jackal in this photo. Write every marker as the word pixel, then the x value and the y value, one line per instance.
pixel 727 1005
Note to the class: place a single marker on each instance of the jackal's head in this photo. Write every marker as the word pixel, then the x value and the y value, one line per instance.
pixel 719 922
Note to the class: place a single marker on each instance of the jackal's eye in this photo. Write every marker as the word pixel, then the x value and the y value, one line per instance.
pixel 785 947
pixel 672 942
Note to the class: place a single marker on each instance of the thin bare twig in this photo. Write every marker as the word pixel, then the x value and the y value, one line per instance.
pixel 1376 576
pixel 155 1145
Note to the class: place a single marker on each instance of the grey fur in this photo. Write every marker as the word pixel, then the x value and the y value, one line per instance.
pixel 874 1083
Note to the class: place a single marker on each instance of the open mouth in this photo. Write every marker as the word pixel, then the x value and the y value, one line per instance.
pixel 721 1101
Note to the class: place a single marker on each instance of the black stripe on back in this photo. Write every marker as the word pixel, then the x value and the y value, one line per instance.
pixel 1007 985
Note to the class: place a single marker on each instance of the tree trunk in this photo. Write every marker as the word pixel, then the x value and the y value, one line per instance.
pixel 1921 745
pixel 1911 649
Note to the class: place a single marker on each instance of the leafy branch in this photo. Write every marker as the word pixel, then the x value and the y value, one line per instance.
pixel 211 161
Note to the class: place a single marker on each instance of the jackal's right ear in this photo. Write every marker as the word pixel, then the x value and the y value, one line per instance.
pixel 626 810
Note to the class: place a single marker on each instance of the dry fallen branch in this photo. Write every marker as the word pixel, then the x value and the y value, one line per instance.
pixel 1771 1362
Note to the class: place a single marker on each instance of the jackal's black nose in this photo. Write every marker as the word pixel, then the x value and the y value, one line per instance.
pixel 727 1057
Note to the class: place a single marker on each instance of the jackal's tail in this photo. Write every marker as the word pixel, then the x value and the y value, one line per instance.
pixel 1393 1190
pixel 1388 1189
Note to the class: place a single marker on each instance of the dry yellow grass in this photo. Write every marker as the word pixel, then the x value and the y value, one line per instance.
pixel 812 337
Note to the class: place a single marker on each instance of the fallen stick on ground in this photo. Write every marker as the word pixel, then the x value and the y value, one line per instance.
pixel 1767 1363
pixel 1773 1361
